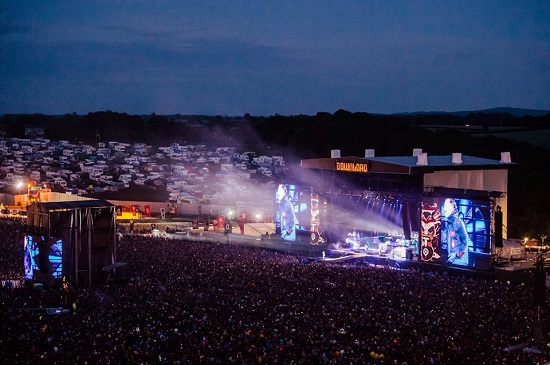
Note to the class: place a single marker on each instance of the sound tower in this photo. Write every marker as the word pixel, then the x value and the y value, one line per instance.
pixel 86 234
pixel 498 227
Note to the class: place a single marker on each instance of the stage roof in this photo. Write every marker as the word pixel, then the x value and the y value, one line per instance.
pixel 402 164
pixel 78 204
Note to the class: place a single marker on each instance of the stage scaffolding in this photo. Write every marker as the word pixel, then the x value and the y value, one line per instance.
pixel 87 232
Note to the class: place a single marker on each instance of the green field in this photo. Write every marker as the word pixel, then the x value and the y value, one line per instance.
pixel 536 138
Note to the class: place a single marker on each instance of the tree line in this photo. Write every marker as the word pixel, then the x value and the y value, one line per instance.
pixel 312 136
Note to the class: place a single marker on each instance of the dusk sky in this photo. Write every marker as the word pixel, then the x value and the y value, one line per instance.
pixel 273 57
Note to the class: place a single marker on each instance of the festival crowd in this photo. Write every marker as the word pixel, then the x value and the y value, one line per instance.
pixel 216 303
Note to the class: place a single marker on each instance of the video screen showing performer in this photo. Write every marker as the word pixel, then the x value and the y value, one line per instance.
pixel 453 229
pixel 454 237
pixel 49 262
pixel 28 259
pixel 286 219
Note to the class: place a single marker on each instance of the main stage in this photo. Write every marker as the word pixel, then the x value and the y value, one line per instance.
pixel 389 258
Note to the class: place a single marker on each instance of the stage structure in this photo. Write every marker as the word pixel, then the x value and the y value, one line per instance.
pixel 74 240
pixel 449 210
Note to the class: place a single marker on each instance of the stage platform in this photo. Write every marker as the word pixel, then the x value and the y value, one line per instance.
pixel 513 271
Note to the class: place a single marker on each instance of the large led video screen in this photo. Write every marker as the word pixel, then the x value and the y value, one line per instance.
pixel 30 253
pixel 318 221
pixel 44 255
pixel 292 217
pixel 455 230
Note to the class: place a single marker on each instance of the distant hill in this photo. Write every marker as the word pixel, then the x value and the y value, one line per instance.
pixel 516 112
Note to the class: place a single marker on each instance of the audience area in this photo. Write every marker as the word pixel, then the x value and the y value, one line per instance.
pixel 215 303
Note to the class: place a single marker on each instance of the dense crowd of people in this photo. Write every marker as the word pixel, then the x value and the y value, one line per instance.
pixel 215 303
pixel 12 233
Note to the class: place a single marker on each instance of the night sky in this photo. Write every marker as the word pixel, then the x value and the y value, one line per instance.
pixel 273 57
